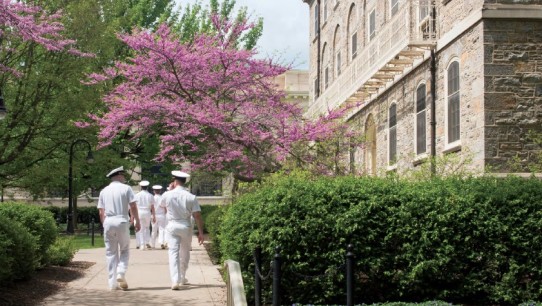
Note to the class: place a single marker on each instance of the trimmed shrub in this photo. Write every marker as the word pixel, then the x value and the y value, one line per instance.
pixel 39 222
pixel 86 214
pixel 213 220
pixel 18 249
pixel 474 241
pixel 62 251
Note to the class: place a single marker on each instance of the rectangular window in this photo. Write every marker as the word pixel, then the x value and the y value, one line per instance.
pixel 393 134
pixel 372 24
pixel 421 145
pixel 394 7
pixel 326 77
pixel 316 89
pixel 338 63
pixel 453 103
pixel 325 10
pixel 316 11
pixel 354 45
pixel 424 9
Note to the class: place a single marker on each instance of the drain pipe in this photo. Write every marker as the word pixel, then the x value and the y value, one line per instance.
pixel 318 56
pixel 433 122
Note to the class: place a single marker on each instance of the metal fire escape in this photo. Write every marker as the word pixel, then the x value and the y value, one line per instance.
pixel 405 39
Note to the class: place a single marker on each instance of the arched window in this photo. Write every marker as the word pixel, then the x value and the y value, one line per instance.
pixel 392 133
pixel 352 44
pixel 337 50
pixel 453 103
pixel 421 134
pixel 370 147
pixel 325 64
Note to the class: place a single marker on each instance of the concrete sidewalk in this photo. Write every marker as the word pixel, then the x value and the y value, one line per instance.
pixel 148 280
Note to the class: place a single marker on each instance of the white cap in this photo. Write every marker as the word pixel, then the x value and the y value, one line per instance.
pixel 157 187
pixel 180 174
pixel 144 183
pixel 115 171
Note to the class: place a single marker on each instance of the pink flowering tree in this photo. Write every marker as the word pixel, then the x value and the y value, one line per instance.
pixel 21 21
pixel 208 103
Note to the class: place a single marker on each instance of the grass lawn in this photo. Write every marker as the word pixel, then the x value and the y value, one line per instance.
pixel 85 241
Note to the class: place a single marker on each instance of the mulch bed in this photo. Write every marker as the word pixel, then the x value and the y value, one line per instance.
pixel 43 284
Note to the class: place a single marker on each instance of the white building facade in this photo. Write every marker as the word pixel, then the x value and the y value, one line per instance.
pixel 431 78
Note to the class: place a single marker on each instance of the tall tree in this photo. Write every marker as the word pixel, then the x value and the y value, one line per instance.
pixel 43 89
pixel 209 103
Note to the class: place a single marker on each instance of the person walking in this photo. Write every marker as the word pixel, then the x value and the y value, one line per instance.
pixel 145 208
pixel 159 227
pixel 115 203
pixel 180 205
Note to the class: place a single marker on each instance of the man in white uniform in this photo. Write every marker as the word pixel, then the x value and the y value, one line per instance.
pixel 114 204
pixel 159 227
pixel 180 205
pixel 145 207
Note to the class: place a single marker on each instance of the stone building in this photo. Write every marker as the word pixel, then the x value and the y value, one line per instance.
pixel 430 78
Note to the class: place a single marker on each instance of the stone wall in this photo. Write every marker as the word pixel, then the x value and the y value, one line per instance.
pixel 513 95
pixel 468 50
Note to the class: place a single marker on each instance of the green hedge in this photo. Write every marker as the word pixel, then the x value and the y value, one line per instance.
pixel 18 251
pixel 62 251
pixel 84 214
pixel 213 216
pixel 40 224
pixel 473 241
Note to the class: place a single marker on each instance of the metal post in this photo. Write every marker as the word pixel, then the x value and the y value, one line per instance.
pixel 257 279
pixel 276 277
pixel 70 227
pixel 349 276
pixel 92 226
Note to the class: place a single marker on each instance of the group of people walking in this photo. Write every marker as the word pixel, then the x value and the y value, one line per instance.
pixel 151 211
pixel 119 207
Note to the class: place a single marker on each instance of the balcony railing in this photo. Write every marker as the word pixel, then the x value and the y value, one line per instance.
pixel 402 32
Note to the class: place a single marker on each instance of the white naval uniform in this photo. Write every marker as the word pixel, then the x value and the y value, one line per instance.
pixel 115 199
pixel 180 205
pixel 144 200
pixel 159 227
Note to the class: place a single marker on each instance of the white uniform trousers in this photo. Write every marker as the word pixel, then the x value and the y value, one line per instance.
pixel 143 237
pixel 178 237
pixel 159 230
pixel 117 247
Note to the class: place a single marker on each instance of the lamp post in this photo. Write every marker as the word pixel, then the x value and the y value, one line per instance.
pixel 70 229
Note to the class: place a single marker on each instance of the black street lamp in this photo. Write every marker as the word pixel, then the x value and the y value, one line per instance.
pixel 70 229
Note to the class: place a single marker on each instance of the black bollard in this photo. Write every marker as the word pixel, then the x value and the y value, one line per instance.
pixel 349 276
pixel 276 277
pixel 92 226
pixel 257 279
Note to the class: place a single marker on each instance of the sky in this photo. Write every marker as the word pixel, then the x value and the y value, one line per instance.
pixel 285 29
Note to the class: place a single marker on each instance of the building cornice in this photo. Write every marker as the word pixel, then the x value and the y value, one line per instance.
pixel 490 11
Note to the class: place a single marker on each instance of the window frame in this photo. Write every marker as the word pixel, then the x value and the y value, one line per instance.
pixel 371 20
pixel 392 134
pixel 394 8
pixel 420 113
pixel 338 63
pixel 455 139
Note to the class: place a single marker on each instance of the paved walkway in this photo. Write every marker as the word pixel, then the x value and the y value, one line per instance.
pixel 148 281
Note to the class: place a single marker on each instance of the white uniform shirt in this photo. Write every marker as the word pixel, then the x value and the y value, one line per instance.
pixel 159 208
pixel 115 199
pixel 180 205
pixel 145 200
